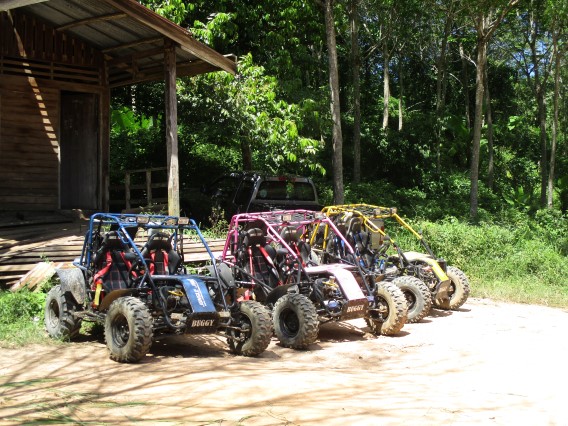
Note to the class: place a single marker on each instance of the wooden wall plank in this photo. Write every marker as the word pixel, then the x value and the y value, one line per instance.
pixel 29 152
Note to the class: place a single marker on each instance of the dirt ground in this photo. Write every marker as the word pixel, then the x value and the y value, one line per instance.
pixel 490 363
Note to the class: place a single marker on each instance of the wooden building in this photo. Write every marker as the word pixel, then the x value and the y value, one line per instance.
pixel 59 60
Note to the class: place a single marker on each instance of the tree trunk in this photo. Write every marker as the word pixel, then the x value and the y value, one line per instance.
pixel 477 124
pixel 465 84
pixel 400 95
pixel 386 85
pixel 555 122
pixel 543 145
pixel 490 159
pixel 246 153
pixel 441 88
pixel 338 192
pixel 355 69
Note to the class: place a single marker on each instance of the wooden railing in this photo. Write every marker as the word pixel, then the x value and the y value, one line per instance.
pixel 144 194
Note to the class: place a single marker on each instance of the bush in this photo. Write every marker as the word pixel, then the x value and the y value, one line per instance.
pixel 21 317
pixel 504 262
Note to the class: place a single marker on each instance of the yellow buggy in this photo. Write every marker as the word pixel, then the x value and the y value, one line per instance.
pixel 449 286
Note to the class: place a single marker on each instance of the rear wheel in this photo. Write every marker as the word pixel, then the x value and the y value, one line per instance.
pixel 417 295
pixel 295 320
pixel 459 289
pixel 391 310
pixel 60 321
pixel 128 330
pixel 256 325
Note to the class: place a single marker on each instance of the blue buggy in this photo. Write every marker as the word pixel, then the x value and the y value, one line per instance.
pixel 131 278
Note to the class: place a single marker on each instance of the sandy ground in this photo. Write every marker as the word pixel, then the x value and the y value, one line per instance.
pixel 489 363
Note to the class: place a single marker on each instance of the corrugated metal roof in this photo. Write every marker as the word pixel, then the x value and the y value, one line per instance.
pixel 130 36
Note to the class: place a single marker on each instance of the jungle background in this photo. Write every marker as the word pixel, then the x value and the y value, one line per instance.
pixel 453 111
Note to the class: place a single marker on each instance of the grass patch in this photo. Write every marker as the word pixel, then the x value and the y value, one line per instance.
pixel 21 318
pixel 514 263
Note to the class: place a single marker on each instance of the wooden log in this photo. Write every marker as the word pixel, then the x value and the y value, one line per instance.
pixel 41 272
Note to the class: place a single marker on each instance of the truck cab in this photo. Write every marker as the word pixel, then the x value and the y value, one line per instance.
pixel 245 192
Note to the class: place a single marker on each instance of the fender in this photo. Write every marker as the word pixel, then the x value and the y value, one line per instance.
pixel 413 256
pixel 441 293
pixel 112 296
pixel 277 293
pixel 72 281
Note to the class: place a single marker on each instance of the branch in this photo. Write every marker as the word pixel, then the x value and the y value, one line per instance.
pixel 497 22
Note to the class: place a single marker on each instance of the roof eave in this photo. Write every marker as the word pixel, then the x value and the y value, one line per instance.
pixel 176 33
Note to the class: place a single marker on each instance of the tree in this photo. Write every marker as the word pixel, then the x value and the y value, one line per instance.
pixel 337 137
pixel 356 82
pixel 558 15
pixel 486 15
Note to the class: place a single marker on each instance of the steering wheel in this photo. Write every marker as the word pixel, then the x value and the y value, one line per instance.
pixel 137 269
pixel 382 250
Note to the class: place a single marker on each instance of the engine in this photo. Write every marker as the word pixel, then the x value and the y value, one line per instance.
pixel 327 290
pixel 175 298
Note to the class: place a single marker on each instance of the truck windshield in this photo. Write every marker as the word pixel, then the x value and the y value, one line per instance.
pixel 284 190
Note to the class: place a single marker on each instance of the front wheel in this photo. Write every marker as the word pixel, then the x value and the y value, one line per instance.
pixel 417 295
pixel 295 320
pixel 128 330
pixel 255 330
pixel 459 289
pixel 60 321
pixel 391 311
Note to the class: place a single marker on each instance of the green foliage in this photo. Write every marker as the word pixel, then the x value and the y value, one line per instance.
pixel 247 111
pixel 174 10
pixel 516 262
pixel 21 317
pixel 136 142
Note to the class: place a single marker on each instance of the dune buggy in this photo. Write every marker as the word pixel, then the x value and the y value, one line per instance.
pixel 448 285
pixel 353 225
pixel 273 262
pixel 130 278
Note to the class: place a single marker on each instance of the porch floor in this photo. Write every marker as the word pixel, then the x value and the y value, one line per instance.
pixel 23 246
pixel 27 243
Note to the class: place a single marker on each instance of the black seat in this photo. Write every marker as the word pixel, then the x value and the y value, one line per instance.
pixel 160 255
pixel 360 239
pixel 111 263
pixel 302 248
pixel 258 257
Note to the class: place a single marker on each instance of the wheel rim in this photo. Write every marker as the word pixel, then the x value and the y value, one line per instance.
pixel 410 299
pixel 451 290
pixel 289 322
pixel 245 326
pixel 53 313
pixel 120 330
pixel 382 311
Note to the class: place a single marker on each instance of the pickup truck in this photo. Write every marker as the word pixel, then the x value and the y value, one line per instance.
pixel 245 192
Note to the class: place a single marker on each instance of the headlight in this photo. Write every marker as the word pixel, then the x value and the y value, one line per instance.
pixel 142 220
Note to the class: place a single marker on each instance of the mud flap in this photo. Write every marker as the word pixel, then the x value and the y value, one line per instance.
pixel 73 281
pixel 203 317
pixel 441 294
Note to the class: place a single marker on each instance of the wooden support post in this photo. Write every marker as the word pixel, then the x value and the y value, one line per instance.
pixel 171 128
pixel 127 190
pixel 148 187
pixel 104 165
